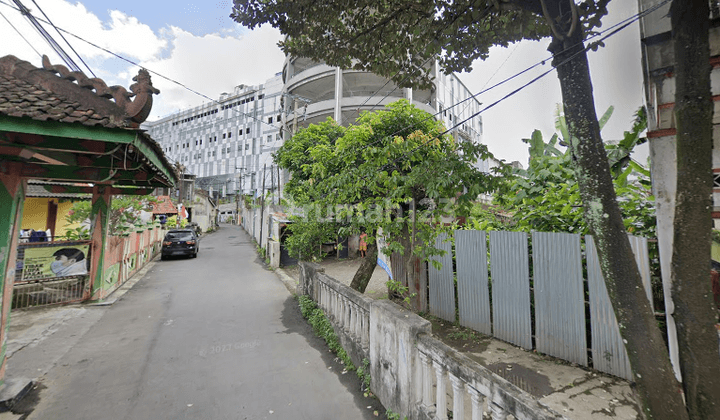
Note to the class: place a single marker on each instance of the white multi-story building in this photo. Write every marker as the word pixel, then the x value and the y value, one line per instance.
pixel 228 144
pixel 315 91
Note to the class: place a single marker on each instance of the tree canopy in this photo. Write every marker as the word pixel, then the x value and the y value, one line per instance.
pixel 399 39
pixel 368 176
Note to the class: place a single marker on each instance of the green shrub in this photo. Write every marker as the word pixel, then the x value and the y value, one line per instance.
pixel 323 329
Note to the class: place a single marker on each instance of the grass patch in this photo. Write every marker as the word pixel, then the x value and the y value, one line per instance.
pixel 323 329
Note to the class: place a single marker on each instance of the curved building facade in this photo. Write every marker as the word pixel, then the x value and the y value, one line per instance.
pixel 228 144
pixel 314 91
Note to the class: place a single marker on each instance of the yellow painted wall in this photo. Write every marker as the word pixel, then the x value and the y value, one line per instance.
pixel 35 215
pixel 61 225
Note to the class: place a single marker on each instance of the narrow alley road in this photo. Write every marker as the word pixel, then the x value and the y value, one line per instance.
pixel 216 337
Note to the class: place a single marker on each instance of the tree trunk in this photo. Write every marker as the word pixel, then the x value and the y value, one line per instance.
pixel 695 313
pixel 656 385
pixel 366 269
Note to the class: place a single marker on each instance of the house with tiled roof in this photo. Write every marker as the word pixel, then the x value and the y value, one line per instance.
pixel 77 136
pixel 164 205
pixel 45 210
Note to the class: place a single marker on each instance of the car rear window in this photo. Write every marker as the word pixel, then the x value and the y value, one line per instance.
pixel 179 236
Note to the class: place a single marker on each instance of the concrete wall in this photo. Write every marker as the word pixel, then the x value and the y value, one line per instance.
pixel 203 212
pixel 409 368
pixel 255 227
pixel 273 253
pixel 393 354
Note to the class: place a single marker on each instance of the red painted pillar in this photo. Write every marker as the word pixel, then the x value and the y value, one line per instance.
pixel 12 197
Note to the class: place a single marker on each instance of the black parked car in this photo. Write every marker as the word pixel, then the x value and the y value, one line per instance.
pixel 180 242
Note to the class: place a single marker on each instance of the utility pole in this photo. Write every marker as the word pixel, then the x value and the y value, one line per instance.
pixel 262 204
pixel 295 102
pixel 272 182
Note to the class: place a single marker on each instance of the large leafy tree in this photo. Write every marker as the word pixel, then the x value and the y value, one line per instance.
pixel 372 175
pixel 398 38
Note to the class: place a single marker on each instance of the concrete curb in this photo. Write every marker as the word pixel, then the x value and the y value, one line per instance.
pixel 12 391
pixel 289 282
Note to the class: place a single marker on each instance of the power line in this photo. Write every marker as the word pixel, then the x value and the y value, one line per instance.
pixel 48 38
pixel 610 32
pixel 21 35
pixel 137 65
pixel 61 36
pixel 542 62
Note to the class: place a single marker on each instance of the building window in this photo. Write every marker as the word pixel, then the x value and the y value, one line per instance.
pixel 716 179
pixel 278 137
pixel 224 135
pixel 247 146
pixel 229 134
pixel 261 96
pixel 247 130
pixel 269 120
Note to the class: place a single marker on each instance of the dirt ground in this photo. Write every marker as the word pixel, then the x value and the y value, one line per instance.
pixel 343 271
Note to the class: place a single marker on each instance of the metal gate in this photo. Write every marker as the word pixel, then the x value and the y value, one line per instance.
pixel 40 282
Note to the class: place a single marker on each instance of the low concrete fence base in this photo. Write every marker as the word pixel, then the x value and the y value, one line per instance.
pixel 414 374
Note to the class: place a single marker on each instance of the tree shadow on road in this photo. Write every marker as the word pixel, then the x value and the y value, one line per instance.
pixel 294 323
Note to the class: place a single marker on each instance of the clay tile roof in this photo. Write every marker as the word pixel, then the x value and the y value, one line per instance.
pixel 36 188
pixel 164 206
pixel 53 93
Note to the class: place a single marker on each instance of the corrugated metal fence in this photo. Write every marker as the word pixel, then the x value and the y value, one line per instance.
pixel 503 299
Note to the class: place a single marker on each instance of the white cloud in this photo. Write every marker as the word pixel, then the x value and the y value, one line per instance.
pixel 122 34
pixel 212 64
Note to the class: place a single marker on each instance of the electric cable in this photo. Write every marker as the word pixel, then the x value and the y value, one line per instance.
pixel 136 64
pixel 542 62
pixel 45 35
pixel 63 37
pixel 21 35
pixel 612 31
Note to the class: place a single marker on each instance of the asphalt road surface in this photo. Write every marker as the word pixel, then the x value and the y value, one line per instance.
pixel 215 337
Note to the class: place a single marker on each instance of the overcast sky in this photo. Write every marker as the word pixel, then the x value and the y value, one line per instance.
pixel 198 45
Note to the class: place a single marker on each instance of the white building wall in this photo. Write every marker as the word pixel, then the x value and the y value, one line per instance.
pixel 226 143
pixel 321 91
